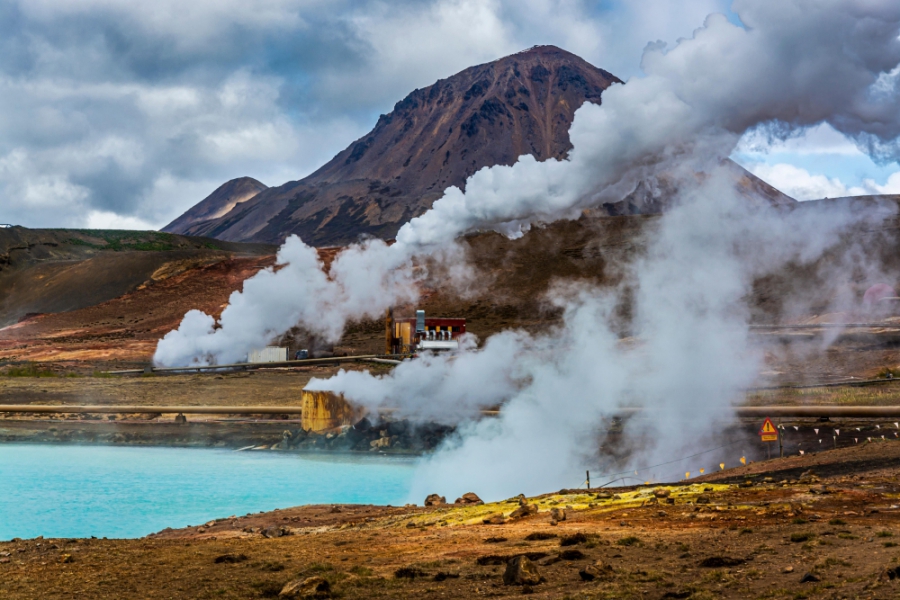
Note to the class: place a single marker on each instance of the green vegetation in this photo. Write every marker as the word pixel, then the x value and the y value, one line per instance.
pixel 837 522
pixel 120 240
pixel 629 541
pixel 802 537
pixel 28 370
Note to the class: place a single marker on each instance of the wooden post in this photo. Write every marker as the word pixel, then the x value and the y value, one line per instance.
pixel 780 443
pixel 588 473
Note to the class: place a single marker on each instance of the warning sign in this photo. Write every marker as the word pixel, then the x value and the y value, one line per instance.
pixel 768 432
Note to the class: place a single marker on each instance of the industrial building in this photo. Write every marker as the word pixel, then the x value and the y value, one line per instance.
pixel 414 334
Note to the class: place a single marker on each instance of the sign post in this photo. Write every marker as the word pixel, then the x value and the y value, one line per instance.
pixel 768 433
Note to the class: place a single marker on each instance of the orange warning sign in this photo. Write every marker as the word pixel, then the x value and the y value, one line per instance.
pixel 768 432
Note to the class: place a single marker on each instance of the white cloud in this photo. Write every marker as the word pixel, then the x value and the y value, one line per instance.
pixel 803 185
pixel 108 220
pixel 821 139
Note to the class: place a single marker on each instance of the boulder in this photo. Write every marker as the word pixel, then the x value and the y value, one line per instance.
pixel 595 571
pixel 435 500
pixel 661 493
pixel 524 511
pixel 382 442
pixel 275 531
pixel 557 514
pixel 521 571
pixel 311 587
pixel 498 519
pixel 469 498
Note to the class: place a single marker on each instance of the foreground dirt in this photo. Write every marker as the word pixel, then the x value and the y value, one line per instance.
pixel 779 533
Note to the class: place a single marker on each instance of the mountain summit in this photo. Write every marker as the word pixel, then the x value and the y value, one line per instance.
pixel 436 137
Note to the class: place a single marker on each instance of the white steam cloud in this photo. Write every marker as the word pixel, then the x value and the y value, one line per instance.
pixel 794 64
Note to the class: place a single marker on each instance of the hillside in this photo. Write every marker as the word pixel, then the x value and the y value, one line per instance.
pixel 434 138
pixel 220 202
pixel 60 270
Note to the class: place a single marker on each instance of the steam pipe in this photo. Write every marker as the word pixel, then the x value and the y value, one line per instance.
pixel 287 363
pixel 116 408
pixel 741 411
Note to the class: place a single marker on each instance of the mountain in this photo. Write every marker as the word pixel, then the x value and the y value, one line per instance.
pixel 220 202
pixel 435 137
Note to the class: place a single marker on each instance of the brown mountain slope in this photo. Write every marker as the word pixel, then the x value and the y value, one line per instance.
pixel 220 202
pixel 434 138
pixel 59 270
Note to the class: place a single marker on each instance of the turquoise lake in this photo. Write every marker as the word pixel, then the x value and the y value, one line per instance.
pixel 109 491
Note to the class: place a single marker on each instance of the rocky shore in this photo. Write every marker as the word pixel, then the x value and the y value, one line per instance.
pixel 400 436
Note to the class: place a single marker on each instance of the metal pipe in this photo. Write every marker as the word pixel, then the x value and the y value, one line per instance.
pixel 819 411
pixel 829 326
pixel 114 408
pixel 288 363
pixel 847 383
pixel 383 361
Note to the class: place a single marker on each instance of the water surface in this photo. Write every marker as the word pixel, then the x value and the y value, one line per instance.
pixel 109 491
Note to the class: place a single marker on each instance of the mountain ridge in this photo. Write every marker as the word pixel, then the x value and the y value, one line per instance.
pixel 434 138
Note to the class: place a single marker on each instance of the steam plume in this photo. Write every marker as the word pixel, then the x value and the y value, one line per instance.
pixel 794 64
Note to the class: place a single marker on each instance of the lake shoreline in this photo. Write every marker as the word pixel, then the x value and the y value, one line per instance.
pixel 282 435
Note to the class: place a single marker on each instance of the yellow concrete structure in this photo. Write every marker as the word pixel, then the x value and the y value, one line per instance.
pixel 326 411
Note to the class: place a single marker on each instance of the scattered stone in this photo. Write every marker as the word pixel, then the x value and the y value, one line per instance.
pixel 469 498
pixel 717 562
pixel 554 522
pixel 891 574
pixel 230 558
pixel 4 560
pixel 788 570
pixel 571 554
pixel 807 478
pixel 603 496
pixel 661 493
pixel 435 500
pixel 335 509
pixel 311 587
pixel 574 539
pixel 521 571
pixel 809 578
pixel 409 573
pixel 703 499
pixel 524 510
pixel 819 489
pixel 557 514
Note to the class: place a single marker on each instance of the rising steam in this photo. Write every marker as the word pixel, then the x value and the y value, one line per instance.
pixel 793 64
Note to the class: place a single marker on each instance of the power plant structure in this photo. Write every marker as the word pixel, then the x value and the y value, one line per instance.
pixel 414 334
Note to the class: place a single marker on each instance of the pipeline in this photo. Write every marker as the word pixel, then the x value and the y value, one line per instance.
pixel 741 411
pixel 266 365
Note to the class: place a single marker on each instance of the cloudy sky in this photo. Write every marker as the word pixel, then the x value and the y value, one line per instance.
pixel 116 113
